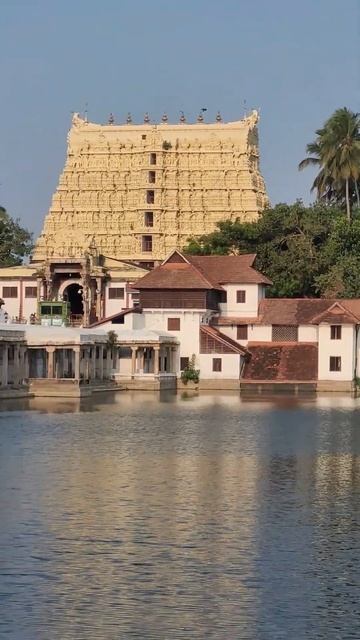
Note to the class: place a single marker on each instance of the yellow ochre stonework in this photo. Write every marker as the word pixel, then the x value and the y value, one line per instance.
pixel 137 191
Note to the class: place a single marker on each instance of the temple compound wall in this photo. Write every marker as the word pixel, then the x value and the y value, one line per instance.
pixel 137 191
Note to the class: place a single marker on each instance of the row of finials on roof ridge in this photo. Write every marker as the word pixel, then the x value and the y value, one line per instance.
pixel 165 119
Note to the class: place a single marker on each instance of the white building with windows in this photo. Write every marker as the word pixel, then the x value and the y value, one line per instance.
pixel 211 310
pixel 215 306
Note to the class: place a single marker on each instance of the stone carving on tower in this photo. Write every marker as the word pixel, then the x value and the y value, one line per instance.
pixel 137 191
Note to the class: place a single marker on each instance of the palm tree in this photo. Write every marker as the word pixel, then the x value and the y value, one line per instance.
pixel 336 151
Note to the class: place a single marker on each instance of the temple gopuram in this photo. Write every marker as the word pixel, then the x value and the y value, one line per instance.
pixel 128 195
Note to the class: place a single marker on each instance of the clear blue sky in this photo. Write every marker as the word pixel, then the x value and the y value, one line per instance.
pixel 295 61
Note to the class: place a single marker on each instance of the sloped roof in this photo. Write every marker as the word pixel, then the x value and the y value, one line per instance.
pixel 122 269
pixel 287 362
pixel 336 314
pixel 296 311
pixel 174 276
pixel 18 271
pixel 182 271
pixel 119 314
pixel 223 339
pixel 229 269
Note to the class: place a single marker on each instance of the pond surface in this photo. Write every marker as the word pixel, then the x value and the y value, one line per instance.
pixel 164 517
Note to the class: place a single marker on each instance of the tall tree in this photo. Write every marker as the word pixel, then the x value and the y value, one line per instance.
pixel 306 251
pixel 15 242
pixel 336 151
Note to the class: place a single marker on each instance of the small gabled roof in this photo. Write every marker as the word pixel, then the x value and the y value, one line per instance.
pixel 336 314
pixel 296 311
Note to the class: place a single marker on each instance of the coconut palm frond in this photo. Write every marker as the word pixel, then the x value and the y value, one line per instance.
pixel 336 150
pixel 307 162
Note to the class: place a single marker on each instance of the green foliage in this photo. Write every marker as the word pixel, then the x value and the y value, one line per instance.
pixel 15 242
pixel 190 373
pixel 166 145
pixel 306 251
pixel 336 152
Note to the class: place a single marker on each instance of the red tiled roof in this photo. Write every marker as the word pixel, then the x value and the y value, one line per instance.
pixel 175 275
pixel 223 339
pixel 336 314
pixel 284 362
pixel 295 311
pixel 202 272
pixel 229 269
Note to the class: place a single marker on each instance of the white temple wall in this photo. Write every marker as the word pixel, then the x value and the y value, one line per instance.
pixel 343 348
pixel 230 366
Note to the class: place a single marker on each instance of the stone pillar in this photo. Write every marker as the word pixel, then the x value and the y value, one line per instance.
pixel 98 297
pixel 86 301
pixel 50 361
pixel 173 360
pixel 156 360
pixel 101 362
pixel 26 363
pixel 93 363
pixel 133 360
pixel 87 363
pixel 142 358
pixel 56 364
pixel 39 290
pixel 16 373
pixel 108 362
pixel 76 351
pixel 5 364
pixel 22 374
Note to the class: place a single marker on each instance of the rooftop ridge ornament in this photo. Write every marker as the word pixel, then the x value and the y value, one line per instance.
pixel 129 118
pixel 200 117
pixel 146 118
pixel 182 117
pixel 218 117
pixel 165 118
pixel 111 119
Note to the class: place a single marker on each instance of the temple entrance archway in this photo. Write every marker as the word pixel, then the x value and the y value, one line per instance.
pixel 74 295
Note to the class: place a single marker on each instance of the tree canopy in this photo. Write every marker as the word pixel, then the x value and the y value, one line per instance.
pixel 306 251
pixel 336 151
pixel 15 242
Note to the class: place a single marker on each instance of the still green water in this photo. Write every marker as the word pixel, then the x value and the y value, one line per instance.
pixel 165 517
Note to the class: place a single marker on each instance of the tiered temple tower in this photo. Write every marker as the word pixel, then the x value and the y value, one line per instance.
pixel 137 191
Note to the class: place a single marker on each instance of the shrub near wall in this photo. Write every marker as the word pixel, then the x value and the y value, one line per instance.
pixel 190 373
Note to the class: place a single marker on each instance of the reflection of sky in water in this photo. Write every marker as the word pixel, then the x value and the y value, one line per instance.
pixel 199 517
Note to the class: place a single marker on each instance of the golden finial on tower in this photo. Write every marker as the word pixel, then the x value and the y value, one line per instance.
pixel 200 117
